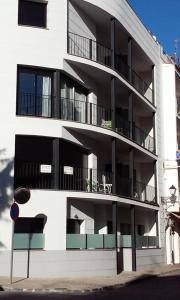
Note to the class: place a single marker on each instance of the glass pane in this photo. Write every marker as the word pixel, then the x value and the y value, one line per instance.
pixel 32 13
pixel 80 106
pixel 63 89
pixel 67 101
pixel 69 91
pixel 26 99
pixel 27 83
pixel 43 96
pixel 80 96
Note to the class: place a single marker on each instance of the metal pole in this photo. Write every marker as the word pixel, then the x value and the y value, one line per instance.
pixel 12 252
pixel 172 244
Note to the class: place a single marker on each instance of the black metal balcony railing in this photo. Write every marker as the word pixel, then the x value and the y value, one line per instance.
pixel 142 138
pixel 73 110
pixel 87 48
pixel 84 179
pixel 142 86
pixel 130 75
pixel 178 110
pixel 29 174
pixel 123 186
pixel 90 49
pixel 144 192
pixel 30 104
pixel 93 114
pixel 122 67
pixel 123 127
pixel 83 112
pixel 147 242
pixel 41 175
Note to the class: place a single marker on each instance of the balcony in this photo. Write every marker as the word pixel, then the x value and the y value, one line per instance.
pixel 142 138
pixel 90 49
pixel 87 48
pixel 144 193
pixel 141 192
pixel 178 110
pixel 89 180
pixel 31 104
pixel 90 241
pixel 82 112
pixel 108 241
pixel 85 112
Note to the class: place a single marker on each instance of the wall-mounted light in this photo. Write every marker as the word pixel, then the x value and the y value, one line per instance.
pixel 172 190
pixel 172 197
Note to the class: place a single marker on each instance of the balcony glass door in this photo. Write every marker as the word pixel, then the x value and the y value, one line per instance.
pixel 34 93
pixel 73 102
pixel 67 101
pixel 80 106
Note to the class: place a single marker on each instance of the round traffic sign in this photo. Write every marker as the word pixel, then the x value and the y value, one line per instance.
pixel 22 195
pixel 14 211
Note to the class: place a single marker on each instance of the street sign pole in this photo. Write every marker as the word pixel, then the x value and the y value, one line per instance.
pixel 21 196
pixel 14 213
pixel 12 254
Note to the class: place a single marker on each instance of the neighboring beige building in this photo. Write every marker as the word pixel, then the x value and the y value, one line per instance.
pixel 170 142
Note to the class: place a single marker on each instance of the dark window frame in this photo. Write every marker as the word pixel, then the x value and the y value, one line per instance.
pixel 37 71
pixel 23 20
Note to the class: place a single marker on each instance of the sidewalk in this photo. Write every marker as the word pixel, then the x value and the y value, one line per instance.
pixel 83 285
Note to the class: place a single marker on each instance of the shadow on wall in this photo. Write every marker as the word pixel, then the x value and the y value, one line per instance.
pixel 6 183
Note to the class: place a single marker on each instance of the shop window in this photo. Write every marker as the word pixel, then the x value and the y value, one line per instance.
pixel 32 13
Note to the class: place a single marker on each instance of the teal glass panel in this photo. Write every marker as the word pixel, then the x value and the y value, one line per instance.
pixel 75 241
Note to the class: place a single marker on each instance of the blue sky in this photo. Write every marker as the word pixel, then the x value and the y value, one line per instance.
pixel 162 18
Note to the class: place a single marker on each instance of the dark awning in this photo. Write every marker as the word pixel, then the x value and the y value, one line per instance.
pixel 175 215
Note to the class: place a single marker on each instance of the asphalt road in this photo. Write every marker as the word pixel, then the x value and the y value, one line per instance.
pixel 156 288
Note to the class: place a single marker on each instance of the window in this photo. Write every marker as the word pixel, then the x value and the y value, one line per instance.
pixel 32 13
pixel 73 101
pixel 140 230
pixel 125 229
pixel 109 227
pixel 34 93
pixel 73 226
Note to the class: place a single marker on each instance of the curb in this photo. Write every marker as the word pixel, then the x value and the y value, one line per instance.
pixel 111 287
pixel 74 291
pixel 55 290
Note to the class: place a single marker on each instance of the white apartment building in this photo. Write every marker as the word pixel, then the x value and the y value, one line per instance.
pixel 83 127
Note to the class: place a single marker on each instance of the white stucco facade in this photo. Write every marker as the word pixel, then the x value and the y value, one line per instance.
pixel 109 122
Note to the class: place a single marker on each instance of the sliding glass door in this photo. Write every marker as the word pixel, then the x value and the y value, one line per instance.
pixel 73 102
pixel 34 93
